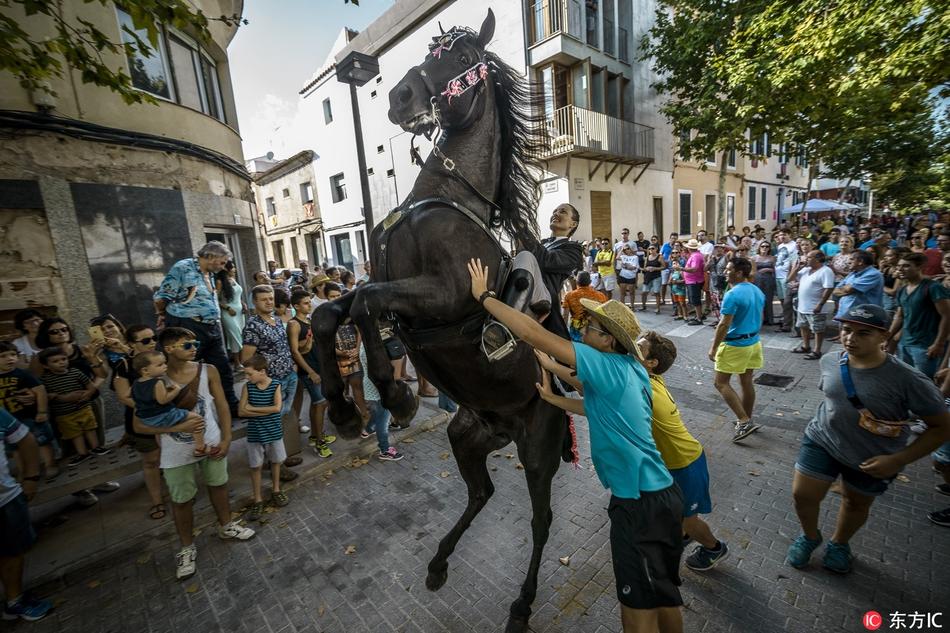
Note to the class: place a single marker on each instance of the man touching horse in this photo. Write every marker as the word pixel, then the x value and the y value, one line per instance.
pixel 646 506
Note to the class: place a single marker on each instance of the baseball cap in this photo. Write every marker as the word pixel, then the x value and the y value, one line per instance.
pixel 867 314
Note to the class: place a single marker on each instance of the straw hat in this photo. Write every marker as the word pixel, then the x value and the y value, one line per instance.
pixel 693 244
pixel 619 320
pixel 316 281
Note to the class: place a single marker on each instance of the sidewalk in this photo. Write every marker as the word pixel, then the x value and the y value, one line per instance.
pixel 72 537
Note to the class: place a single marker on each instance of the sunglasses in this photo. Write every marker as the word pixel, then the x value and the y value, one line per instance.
pixel 145 341
pixel 62 330
pixel 188 345
pixel 597 329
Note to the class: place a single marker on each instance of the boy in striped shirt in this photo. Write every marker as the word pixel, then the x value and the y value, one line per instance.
pixel 69 392
pixel 261 403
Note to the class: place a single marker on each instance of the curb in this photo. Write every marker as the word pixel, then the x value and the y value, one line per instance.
pixel 151 540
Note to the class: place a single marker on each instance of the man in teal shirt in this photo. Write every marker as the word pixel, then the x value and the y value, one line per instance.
pixel 646 506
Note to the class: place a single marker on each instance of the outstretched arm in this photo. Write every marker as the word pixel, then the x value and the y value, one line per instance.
pixel 521 325
pixel 571 405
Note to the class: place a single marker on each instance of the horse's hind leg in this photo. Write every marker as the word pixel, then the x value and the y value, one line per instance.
pixel 539 451
pixel 471 443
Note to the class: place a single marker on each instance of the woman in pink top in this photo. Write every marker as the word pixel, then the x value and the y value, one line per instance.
pixel 694 274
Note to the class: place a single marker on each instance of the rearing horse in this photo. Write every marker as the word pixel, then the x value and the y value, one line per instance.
pixel 476 178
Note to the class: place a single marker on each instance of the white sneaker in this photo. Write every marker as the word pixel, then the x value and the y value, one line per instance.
pixel 235 530
pixel 186 562
pixel 304 428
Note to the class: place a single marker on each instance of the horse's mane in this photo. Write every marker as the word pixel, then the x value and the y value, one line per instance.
pixel 522 143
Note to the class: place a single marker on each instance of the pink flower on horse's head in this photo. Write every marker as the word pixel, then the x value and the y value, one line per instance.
pixel 471 77
pixel 454 89
pixel 483 71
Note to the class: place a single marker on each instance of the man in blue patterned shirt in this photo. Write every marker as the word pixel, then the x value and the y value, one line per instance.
pixel 187 299
pixel 16 531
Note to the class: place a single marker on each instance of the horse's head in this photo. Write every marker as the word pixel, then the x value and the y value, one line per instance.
pixel 443 91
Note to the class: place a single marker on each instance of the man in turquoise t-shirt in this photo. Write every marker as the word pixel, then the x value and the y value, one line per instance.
pixel 736 348
pixel 646 506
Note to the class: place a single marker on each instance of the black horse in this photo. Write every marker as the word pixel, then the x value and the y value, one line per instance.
pixel 476 179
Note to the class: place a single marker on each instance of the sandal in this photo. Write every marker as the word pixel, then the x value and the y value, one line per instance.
pixel 364 434
pixel 813 356
pixel 157 511
pixel 801 350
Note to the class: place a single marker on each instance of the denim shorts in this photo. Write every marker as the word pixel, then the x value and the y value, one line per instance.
pixel 942 454
pixel 815 462
pixel 315 389
pixel 42 431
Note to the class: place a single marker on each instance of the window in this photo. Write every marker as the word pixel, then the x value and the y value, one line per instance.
pixel 327 111
pixel 752 192
pixel 180 70
pixel 271 207
pixel 337 188
pixel 765 202
pixel 372 94
pixel 731 162
pixel 278 247
pixel 285 193
pixel 686 212
pixel 592 23
pixel 151 73
pixel 711 158
pixel 730 209
pixel 684 138
pixel 306 192
pixel 380 149
pixel 379 79
pixel 390 173
pixel 370 171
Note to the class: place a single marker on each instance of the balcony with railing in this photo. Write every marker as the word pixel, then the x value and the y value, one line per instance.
pixel 556 17
pixel 584 133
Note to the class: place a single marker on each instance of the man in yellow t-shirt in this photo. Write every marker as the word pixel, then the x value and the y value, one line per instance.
pixel 682 454
pixel 604 262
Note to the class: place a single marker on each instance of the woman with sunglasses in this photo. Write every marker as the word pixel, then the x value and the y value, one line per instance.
pixel 27 322
pixel 140 338
pixel 765 277
pixel 653 267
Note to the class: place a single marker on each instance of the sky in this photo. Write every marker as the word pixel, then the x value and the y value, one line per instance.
pixel 272 57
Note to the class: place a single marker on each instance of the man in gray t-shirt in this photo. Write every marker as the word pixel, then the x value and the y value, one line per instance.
pixel 848 437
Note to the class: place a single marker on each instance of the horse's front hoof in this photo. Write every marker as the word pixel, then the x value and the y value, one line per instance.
pixel 437 577
pixel 405 408
pixel 346 418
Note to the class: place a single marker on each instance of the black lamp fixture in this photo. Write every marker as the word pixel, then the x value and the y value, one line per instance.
pixel 356 69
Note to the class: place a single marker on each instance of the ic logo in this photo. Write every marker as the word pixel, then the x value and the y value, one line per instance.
pixel 872 620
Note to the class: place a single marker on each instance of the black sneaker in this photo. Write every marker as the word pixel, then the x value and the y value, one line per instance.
pixel 392 455
pixel 703 559
pixel 943 489
pixel 99 451
pixel 941 517
pixel 744 430
pixel 78 459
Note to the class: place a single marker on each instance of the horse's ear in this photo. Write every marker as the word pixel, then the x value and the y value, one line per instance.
pixel 487 31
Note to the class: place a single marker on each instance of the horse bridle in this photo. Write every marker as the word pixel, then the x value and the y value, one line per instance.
pixel 476 76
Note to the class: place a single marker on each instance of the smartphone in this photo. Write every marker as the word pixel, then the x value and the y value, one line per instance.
pixel 95 333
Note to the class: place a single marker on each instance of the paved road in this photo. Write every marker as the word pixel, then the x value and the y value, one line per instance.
pixel 296 576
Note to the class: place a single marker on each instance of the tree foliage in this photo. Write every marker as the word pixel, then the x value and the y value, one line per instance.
pixel 850 83
pixel 82 46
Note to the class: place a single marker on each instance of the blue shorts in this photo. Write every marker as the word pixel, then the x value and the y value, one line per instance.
pixel 942 454
pixel 693 480
pixel 816 462
pixel 315 389
pixel 165 420
pixel 42 431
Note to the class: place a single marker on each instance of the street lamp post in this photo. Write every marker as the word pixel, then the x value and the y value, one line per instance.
pixel 356 69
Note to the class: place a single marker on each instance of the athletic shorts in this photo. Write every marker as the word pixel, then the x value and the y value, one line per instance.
pixel 738 360
pixel 679 298
pixel 693 481
pixel 816 462
pixel 610 283
pixel 182 481
pixel 694 294
pixel 814 322
pixel 646 543
pixel 16 530
pixel 315 389
pixel 72 425
pixel 274 452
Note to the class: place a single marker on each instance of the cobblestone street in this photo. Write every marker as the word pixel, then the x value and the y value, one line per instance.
pixel 349 553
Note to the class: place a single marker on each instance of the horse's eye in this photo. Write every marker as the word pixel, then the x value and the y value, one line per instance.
pixel 464 60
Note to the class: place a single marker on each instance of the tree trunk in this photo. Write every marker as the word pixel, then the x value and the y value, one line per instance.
pixel 844 191
pixel 811 173
pixel 721 206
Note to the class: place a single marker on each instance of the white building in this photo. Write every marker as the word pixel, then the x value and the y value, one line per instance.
pixel 611 151
pixel 288 211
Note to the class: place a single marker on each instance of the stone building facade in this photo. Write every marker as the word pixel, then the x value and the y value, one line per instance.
pixel 98 198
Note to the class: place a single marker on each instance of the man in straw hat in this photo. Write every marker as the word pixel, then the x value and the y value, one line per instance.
pixel 646 507
pixel 736 348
